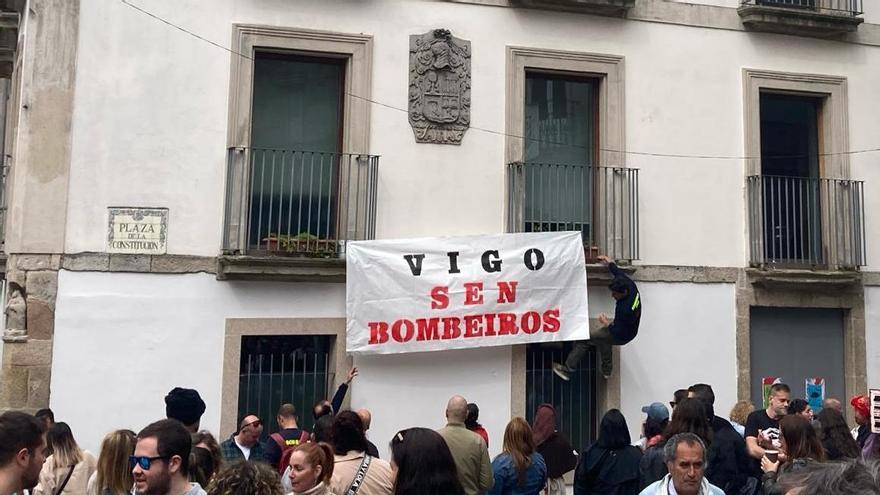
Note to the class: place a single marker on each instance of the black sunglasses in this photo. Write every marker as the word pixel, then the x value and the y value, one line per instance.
pixel 143 461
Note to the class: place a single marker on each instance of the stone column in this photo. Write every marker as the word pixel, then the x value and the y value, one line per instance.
pixel 38 144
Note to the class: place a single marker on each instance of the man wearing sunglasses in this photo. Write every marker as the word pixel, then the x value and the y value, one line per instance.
pixel 160 463
pixel 245 444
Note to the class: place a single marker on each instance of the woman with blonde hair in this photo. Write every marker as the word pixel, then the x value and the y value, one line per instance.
pixel 311 467
pixel 518 470
pixel 739 414
pixel 68 469
pixel 113 476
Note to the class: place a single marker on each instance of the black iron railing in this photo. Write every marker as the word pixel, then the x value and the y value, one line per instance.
pixel 850 8
pixel 806 221
pixel 298 203
pixel 600 202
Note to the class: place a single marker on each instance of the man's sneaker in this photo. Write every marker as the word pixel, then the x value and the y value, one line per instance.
pixel 561 371
pixel 606 359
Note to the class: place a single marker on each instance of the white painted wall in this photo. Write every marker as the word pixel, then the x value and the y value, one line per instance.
pixel 408 390
pixel 152 103
pixel 123 340
pixel 872 335
pixel 687 336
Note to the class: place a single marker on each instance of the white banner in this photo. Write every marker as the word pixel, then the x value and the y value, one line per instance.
pixel 434 294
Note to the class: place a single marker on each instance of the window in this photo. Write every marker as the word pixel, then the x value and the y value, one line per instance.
pixel 560 153
pixel 564 149
pixel 790 170
pixel 804 211
pixel 299 180
pixel 575 400
pixel 296 137
pixel 279 369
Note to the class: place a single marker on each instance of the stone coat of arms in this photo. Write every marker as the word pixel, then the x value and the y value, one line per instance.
pixel 439 87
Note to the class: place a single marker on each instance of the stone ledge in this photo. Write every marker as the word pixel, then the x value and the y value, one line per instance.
pixel 138 263
pixel 280 269
pixel 615 8
pixel 803 279
pixel 797 21
pixel 871 279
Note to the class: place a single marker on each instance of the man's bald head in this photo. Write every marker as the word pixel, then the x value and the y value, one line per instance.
pixel 832 403
pixel 366 418
pixel 456 409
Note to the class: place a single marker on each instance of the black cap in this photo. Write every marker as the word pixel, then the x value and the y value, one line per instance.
pixel 184 405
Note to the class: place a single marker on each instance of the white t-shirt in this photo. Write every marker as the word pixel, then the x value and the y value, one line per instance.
pixel 244 450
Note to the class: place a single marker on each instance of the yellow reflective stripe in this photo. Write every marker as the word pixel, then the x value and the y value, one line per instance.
pixel 636 302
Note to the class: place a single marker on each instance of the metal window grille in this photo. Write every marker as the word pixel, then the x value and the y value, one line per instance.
pixel 600 202
pixel 574 400
pixel 300 203
pixel 802 221
pixel 851 8
pixel 279 369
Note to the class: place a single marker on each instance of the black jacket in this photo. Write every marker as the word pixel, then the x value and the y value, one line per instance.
pixel 608 471
pixel 627 311
pixel 728 465
pixel 652 466
pixel 558 455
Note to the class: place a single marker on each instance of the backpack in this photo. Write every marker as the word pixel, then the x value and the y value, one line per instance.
pixel 287 447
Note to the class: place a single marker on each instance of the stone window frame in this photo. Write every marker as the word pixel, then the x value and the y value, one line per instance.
pixel 609 69
pixel 833 115
pixel 356 50
pixel 848 296
pixel 236 328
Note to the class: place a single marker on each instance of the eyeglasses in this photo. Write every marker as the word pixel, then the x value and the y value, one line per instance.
pixel 673 404
pixel 143 461
pixel 255 424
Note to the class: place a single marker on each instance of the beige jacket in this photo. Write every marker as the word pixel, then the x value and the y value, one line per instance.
pixel 377 482
pixel 471 458
pixel 51 476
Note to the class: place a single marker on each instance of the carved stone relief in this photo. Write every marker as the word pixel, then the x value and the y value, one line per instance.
pixel 439 87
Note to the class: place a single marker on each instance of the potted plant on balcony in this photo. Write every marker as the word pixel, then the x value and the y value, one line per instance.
pixel 304 244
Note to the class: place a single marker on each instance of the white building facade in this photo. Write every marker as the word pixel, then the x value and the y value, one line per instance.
pixel 725 152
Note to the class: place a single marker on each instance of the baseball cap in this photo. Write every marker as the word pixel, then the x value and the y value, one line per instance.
pixel 860 404
pixel 656 410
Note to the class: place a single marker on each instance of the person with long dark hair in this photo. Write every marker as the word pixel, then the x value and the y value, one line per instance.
pixel 611 465
pixel 801 446
pixel 351 459
pixel 68 469
pixel 472 422
pixel 518 470
pixel 423 463
pixel 835 436
pixel 558 454
pixel 652 466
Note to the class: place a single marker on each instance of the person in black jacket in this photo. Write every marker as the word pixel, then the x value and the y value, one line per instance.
pixel 729 464
pixel 611 465
pixel 620 331
pixel 559 456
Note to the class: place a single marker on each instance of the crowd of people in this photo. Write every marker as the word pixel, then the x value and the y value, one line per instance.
pixel 783 449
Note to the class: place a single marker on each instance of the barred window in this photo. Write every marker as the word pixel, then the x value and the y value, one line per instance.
pixel 575 400
pixel 283 368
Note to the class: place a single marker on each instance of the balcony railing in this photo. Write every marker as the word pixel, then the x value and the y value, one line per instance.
pixel 806 222
pixel 600 202
pixel 298 203
pixel 850 8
